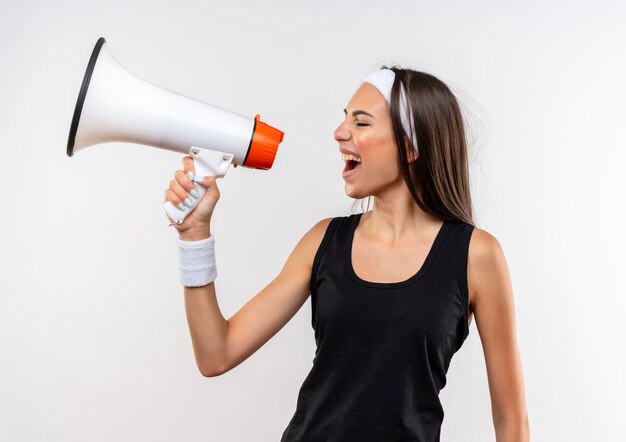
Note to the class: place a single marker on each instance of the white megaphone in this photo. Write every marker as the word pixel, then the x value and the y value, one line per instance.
pixel 115 105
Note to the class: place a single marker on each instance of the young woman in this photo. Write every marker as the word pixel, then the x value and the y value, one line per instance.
pixel 393 290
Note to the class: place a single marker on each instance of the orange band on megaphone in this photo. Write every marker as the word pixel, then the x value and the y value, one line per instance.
pixel 264 145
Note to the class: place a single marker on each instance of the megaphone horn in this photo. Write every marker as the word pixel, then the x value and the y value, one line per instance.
pixel 115 105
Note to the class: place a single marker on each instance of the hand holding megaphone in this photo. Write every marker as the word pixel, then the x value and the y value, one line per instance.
pixel 209 164
pixel 179 194
pixel 115 105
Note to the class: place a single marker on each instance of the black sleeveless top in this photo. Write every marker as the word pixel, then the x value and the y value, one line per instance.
pixel 383 349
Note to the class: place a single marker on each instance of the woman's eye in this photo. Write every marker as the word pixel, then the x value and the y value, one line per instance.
pixel 361 124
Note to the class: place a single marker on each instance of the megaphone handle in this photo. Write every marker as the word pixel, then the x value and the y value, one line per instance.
pixel 206 163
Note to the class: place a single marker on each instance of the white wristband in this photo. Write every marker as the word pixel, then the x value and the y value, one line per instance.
pixel 197 261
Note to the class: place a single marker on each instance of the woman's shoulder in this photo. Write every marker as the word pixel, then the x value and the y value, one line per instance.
pixel 483 244
pixel 325 228
pixel 486 259
pixel 313 238
pixel 324 224
pixel 333 223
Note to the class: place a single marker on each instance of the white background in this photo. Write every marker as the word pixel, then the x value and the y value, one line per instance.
pixel 94 343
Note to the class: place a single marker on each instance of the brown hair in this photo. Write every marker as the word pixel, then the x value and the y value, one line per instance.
pixel 439 179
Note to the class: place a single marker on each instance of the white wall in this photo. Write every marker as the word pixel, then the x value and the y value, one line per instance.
pixel 93 334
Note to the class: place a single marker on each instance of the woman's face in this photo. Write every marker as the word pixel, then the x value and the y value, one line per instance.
pixel 371 138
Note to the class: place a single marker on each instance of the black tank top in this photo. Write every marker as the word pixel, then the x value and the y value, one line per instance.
pixel 383 349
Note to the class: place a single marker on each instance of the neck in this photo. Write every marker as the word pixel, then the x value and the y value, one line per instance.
pixel 396 218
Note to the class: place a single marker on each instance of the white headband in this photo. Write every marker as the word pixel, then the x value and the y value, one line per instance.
pixel 382 80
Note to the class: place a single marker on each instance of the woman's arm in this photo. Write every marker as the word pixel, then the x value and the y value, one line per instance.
pixel 207 325
pixel 220 344
pixel 493 307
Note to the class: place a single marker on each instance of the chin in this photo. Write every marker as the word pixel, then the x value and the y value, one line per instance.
pixel 356 195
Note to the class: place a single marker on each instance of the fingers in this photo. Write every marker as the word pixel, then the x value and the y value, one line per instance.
pixel 182 191
pixel 188 164
pixel 180 196
pixel 183 187
pixel 205 181
pixel 174 199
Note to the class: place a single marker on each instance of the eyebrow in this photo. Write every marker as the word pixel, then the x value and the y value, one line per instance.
pixel 358 112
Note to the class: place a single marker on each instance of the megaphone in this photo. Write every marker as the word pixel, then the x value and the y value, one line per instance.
pixel 115 105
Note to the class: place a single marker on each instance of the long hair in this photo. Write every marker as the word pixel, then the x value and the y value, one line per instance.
pixel 439 178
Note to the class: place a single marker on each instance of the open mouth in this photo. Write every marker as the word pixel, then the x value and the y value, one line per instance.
pixel 351 162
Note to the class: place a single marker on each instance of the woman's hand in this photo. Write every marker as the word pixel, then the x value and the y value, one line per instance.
pixel 180 189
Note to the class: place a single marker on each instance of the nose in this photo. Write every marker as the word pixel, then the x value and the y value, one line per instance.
pixel 341 133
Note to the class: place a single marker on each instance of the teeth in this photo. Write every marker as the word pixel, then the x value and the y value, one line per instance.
pixel 350 157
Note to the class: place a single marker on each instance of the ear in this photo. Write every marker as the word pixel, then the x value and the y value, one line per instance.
pixel 410 150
